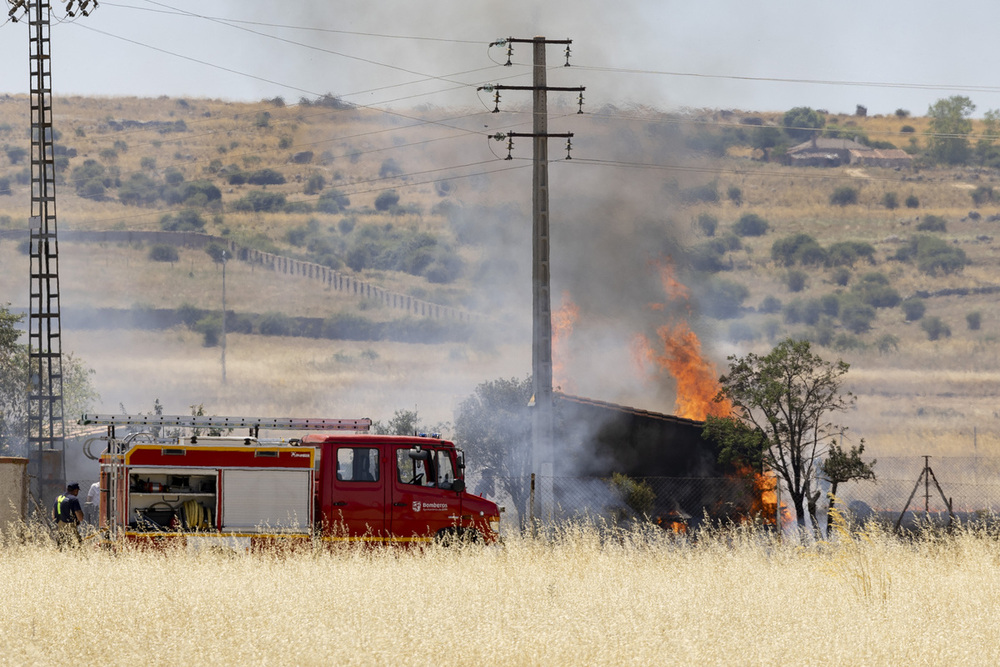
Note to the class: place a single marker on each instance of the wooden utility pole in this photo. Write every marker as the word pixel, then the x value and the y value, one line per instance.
pixel 541 346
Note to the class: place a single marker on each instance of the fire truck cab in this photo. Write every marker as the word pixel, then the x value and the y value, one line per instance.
pixel 330 487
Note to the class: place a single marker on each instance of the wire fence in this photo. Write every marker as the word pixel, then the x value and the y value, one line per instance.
pixel 906 490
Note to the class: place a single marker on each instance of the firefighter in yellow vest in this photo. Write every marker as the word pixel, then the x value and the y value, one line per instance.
pixel 67 513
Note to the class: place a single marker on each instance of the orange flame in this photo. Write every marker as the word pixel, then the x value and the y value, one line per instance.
pixel 697 380
pixel 563 320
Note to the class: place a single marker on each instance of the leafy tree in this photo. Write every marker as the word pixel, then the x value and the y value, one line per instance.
pixel 735 195
pixel 259 201
pixel 724 298
pixel 217 252
pixel 875 290
pixel 332 201
pixel 982 195
pixel 890 200
pixel 403 422
pixel 780 405
pixel 855 315
pixel 13 385
pixel 638 496
pixel 766 139
pixel 985 148
pixel 932 255
pixel 796 280
pixel 16 153
pixel 797 249
pixel 846 253
pixel 494 427
pixel 974 320
pixel 802 123
pixel 912 202
pixel 707 224
pixel 840 467
pixel 950 126
pixel 314 184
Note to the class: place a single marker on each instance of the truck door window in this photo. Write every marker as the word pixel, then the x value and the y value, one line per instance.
pixel 357 464
pixel 413 471
pixel 445 472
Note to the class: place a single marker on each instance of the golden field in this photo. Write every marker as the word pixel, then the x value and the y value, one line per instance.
pixel 578 597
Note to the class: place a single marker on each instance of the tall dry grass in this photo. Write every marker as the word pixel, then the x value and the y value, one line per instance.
pixel 580 597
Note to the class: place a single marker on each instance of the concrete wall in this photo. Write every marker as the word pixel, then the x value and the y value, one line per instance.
pixel 13 490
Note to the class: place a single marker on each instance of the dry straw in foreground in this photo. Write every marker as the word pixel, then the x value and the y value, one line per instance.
pixel 736 597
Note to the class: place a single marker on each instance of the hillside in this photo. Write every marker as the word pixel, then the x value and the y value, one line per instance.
pixel 423 204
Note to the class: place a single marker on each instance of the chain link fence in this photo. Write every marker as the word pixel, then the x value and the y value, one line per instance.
pixel 934 488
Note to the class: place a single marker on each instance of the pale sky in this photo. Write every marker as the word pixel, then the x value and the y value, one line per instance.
pixel 729 54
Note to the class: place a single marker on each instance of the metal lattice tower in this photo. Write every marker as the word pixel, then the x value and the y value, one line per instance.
pixel 46 425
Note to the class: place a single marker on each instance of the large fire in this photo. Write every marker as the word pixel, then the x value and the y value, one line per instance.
pixel 679 354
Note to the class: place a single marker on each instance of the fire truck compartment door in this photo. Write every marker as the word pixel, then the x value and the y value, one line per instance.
pixel 267 500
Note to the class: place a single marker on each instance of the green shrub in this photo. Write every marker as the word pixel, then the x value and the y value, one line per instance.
pixel 735 195
pixel 701 194
pixel 332 201
pixel 798 249
pixel 796 280
pixel 830 304
pixel 185 221
pixel 314 184
pixel 258 201
pixel 890 201
pixel 982 195
pixel 856 316
pixel 707 224
pixel 846 253
pixel 914 308
pixel 275 324
pixel 844 196
pixel 386 200
pixel 935 328
pixel 875 290
pixel 265 177
pixel 639 496
pixel 932 223
pixel 750 224
pixel 912 202
pixel 932 255
pixel 163 253
pixel 724 299
pixel 770 304
pixel 974 320
pixel 841 276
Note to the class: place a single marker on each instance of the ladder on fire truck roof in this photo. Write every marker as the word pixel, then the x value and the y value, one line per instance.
pixel 253 423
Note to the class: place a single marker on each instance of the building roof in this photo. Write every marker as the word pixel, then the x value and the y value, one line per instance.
pixel 828 144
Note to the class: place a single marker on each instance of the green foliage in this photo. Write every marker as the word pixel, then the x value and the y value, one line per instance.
pixel 844 196
pixel 403 422
pixel 707 224
pixel 210 327
pixel 797 249
pixel 847 253
pixel 314 184
pixel 950 125
pixel 163 253
pixel 841 276
pixel 982 195
pixel 638 496
pixel 890 201
pixel 90 179
pixel 138 190
pixel 386 200
pixel 217 252
pixel 874 289
pixel 13 385
pixel 5 186
pixel 259 201
pixel 855 315
pixel 332 201
pixel 912 202
pixel 796 280
pixel 932 223
pixel 735 195
pixel 750 224
pixel 701 194
pixel 974 320
pixel 389 168
pixel 782 400
pixel 265 177
pixel 801 123
pixel 830 304
pixel 494 427
pixel 914 308
pixel 709 256
pixel 932 255
pixel 16 154
pixel 184 221
pixel 935 328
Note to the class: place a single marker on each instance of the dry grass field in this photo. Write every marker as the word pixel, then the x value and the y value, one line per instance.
pixel 577 598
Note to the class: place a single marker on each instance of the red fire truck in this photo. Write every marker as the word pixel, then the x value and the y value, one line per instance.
pixel 245 491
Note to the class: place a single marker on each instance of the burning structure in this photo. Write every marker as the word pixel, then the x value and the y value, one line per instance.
pixel 666 452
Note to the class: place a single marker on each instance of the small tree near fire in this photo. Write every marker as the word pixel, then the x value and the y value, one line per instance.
pixel 780 405
pixel 493 425
pixel 844 466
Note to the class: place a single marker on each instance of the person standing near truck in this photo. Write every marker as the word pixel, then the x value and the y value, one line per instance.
pixel 67 513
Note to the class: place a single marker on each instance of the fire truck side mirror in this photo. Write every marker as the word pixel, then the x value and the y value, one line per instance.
pixel 458 485
pixel 418 454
